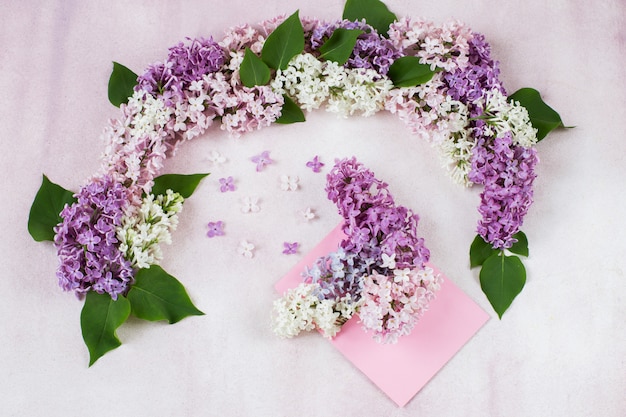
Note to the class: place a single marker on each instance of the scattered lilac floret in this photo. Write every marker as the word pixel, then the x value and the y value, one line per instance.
pixel 262 160
pixel 290 248
pixel 316 165
pixel 227 184
pixel 215 229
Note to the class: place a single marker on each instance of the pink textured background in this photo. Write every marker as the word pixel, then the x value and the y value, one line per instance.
pixel 558 351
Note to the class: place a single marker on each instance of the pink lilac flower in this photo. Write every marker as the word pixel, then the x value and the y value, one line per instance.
pixel 262 160
pixel 391 307
pixel 227 184
pixel 290 248
pixel 86 241
pixel 215 229
pixel 507 173
pixel 315 164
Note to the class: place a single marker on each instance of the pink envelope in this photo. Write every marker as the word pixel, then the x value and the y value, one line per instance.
pixel 401 370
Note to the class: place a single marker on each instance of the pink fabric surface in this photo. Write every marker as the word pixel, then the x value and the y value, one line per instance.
pixel 558 351
pixel 401 370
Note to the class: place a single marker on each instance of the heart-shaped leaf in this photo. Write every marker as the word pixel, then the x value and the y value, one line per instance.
pixel 480 251
pixel 285 42
pixel 502 278
pixel 542 117
pixel 121 84
pixel 340 45
pixel 184 185
pixel 291 113
pixel 521 246
pixel 253 70
pixel 45 211
pixel 99 319
pixel 375 13
pixel 156 295
pixel 408 72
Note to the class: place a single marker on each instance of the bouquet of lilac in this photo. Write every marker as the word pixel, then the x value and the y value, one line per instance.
pixel 379 270
pixel 440 80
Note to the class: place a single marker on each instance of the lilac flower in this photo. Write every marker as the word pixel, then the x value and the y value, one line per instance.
pixel 478 77
pixel 507 173
pixel 185 64
pixel 200 56
pixel 262 160
pixel 316 165
pixel 227 184
pixel 289 182
pixel 215 229
pixel 246 249
pixel 86 243
pixel 250 205
pixel 290 248
pixel 371 50
pixel 374 224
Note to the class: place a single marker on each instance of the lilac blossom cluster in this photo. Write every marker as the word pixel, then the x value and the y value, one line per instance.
pixel 186 62
pixel 379 269
pixel 393 304
pixel 507 173
pixel 374 224
pixel 86 241
pixel 371 50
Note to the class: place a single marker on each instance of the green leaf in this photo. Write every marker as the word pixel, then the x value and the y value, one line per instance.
pixel 375 13
pixel 480 251
pixel 340 45
pixel 253 70
pixel 542 117
pixel 502 278
pixel 521 246
pixel 184 185
pixel 121 84
pixel 291 113
pixel 99 319
pixel 408 72
pixel 45 211
pixel 156 295
pixel 285 42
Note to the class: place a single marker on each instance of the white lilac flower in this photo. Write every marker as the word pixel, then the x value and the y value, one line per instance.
pixel 246 249
pixel 216 158
pixel 142 230
pixel 295 311
pixel 355 90
pixel 250 205
pixel 302 81
pixel 289 182
pixel 300 309
pixel 308 214
pixel 506 116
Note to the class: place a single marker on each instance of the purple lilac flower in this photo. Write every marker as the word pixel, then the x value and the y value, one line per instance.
pixel 374 224
pixel 507 173
pixel 185 63
pixel 371 51
pixel 478 77
pixel 215 229
pixel 227 184
pixel 337 274
pixel 290 248
pixel 316 165
pixel 86 243
pixel 262 160
pixel 193 60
